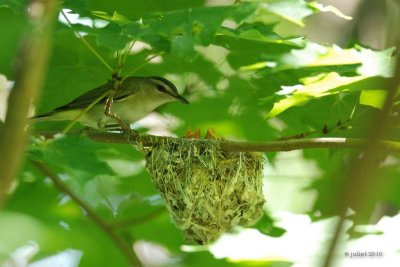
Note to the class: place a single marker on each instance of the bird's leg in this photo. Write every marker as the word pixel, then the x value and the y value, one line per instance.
pixel 109 113
pixel 124 126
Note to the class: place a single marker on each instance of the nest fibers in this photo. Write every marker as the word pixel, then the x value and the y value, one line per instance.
pixel 207 191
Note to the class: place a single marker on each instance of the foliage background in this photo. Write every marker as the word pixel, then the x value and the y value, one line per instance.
pixel 249 73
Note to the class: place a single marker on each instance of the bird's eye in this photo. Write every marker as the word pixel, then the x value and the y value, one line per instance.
pixel 161 88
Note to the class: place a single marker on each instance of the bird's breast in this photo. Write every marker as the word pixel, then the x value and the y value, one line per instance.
pixel 134 108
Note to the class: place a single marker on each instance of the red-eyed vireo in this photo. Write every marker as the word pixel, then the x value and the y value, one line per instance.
pixel 135 98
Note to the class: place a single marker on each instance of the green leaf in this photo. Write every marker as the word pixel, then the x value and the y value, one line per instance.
pixel 182 29
pixel 138 8
pixel 319 86
pixel 187 28
pixel 75 155
pixel 328 185
pixel 329 8
pixel 73 70
pixel 313 55
pixel 292 10
pixel 44 215
pixel 10 36
pixel 184 46
pixel 248 46
pixel 17 6
pixel 266 226
pixel 239 109
pixel 377 63
pixel 116 17
pixel 373 98
pixel 323 85
pixel 113 37
pixel 77 7
pixel 161 230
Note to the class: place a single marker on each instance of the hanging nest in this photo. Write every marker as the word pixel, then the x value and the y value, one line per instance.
pixel 206 190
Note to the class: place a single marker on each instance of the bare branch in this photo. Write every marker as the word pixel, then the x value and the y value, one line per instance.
pixel 236 146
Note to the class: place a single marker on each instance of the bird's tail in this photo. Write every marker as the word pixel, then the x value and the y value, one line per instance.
pixel 41 117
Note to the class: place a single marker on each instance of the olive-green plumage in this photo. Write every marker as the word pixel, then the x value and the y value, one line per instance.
pixel 135 98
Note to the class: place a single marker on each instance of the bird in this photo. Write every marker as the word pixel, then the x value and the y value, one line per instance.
pixel 133 99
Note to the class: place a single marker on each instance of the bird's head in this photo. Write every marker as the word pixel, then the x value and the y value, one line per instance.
pixel 157 88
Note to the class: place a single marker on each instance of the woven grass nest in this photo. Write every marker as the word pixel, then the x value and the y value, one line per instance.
pixel 206 190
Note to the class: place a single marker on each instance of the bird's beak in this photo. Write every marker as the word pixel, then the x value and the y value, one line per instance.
pixel 181 99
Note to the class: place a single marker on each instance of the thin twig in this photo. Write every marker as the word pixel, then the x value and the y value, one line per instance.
pixel 124 56
pixel 80 37
pixel 325 130
pixel 92 215
pixel 95 101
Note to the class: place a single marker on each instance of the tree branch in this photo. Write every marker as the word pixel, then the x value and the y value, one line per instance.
pixel 33 56
pixel 92 215
pixel 237 146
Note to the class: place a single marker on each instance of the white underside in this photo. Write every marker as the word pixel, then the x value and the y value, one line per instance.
pixel 130 110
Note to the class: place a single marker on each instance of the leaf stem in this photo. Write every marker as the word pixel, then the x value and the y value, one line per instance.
pixel 69 126
pixel 102 60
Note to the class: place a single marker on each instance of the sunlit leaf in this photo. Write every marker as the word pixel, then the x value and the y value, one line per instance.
pixel 331 83
pixel 374 98
pixel 377 63
pixel 329 8
pixel 116 17
pixel 292 10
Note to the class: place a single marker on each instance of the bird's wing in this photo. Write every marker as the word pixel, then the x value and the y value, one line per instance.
pixel 87 98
